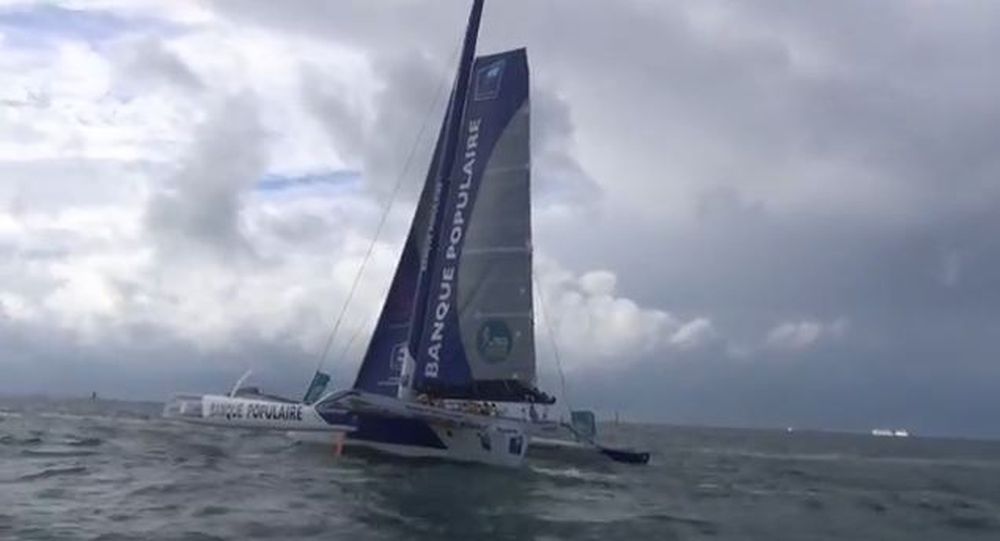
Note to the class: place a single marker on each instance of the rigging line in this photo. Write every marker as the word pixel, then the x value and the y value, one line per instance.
pixel 385 215
pixel 552 338
pixel 353 338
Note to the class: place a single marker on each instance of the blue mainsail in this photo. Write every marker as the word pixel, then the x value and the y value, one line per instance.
pixel 458 320
pixel 476 339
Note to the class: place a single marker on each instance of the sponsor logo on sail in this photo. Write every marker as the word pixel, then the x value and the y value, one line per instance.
pixel 494 340
pixel 453 244
pixel 488 77
pixel 397 357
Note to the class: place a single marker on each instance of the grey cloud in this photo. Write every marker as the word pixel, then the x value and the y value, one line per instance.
pixel 50 184
pixel 199 207
pixel 54 361
pixel 410 103
pixel 557 175
pixel 414 63
pixel 841 387
pixel 146 61
pixel 403 26
pixel 341 120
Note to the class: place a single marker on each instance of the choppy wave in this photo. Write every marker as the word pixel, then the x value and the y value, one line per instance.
pixel 118 474
pixel 53 472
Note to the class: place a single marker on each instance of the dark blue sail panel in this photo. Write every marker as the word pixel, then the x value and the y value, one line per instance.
pixel 477 338
pixel 387 349
pixel 383 360
pixel 450 135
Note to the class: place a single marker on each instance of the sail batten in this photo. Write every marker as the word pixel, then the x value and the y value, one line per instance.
pixel 507 169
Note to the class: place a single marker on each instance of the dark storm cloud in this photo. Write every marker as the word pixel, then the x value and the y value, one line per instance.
pixel 144 363
pixel 773 100
pixel 414 64
pixel 841 387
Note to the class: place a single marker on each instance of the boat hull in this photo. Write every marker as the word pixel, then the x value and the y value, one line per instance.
pixel 414 438
pixel 386 426
pixel 461 445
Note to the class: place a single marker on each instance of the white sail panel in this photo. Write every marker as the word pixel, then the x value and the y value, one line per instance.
pixel 494 281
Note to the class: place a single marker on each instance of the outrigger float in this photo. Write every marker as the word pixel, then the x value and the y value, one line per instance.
pixel 449 370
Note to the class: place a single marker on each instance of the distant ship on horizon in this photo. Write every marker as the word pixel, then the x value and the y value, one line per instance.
pixel 886 432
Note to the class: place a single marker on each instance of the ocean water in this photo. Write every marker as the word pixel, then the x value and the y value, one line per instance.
pixel 113 470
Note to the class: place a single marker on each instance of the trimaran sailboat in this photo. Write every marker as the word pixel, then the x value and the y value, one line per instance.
pixel 450 368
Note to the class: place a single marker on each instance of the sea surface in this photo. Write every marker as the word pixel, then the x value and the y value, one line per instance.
pixel 105 470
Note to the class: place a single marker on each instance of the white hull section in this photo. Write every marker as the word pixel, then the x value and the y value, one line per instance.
pixel 431 430
pixel 538 447
pixel 463 445
pixel 230 412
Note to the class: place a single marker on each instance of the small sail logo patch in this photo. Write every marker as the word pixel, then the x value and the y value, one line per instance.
pixel 488 80
pixel 397 358
pixel 494 341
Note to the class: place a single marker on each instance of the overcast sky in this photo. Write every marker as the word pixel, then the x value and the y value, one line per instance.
pixel 772 213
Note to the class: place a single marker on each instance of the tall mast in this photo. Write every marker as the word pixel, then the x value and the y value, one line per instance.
pixel 453 123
